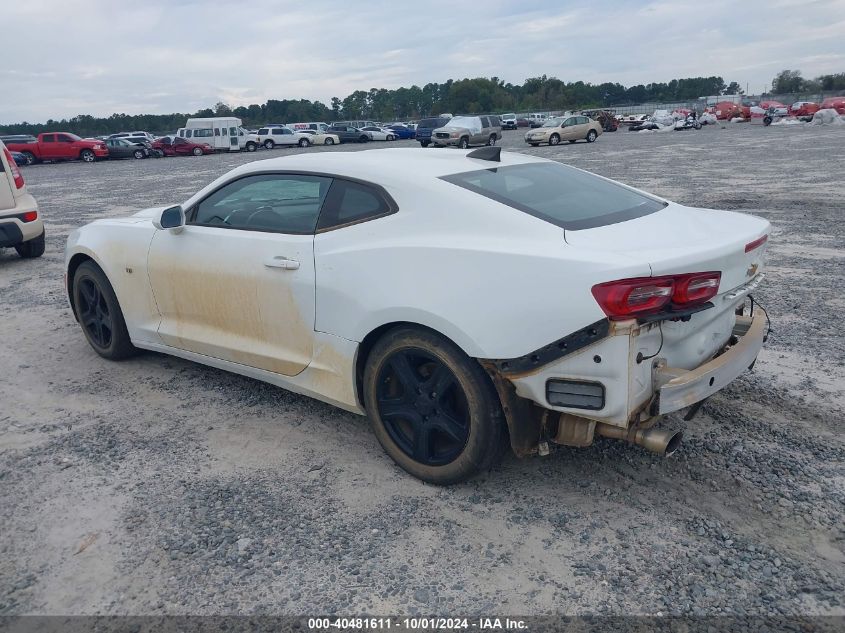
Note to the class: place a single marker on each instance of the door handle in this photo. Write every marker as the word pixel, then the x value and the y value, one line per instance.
pixel 281 262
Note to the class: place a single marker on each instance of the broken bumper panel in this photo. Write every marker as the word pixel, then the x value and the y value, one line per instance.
pixel 680 388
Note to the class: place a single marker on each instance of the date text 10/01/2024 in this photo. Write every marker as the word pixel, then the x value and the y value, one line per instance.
pixel 411 624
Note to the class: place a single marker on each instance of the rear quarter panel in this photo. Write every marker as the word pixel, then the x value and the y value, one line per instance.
pixel 496 281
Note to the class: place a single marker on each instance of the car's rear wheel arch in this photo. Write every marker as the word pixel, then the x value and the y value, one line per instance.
pixel 369 341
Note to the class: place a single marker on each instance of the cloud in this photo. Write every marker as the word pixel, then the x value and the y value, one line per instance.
pixel 98 56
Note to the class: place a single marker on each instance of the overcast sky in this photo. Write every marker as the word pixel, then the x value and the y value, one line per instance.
pixel 63 58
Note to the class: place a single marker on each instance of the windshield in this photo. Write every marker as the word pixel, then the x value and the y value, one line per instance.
pixel 562 195
pixel 552 123
pixel 509 116
pixel 432 123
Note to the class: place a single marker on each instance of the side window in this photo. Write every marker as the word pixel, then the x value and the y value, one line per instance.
pixel 485 121
pixel 263 130
pixel 188 133
pixel 233 131
pixel 48 138
pixel 283 203
pixel 217 131
pixel 570 121
pixel 353 202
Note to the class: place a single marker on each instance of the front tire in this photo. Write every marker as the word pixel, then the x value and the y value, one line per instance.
pixel 432 408
pixel 591 136
pixel 87 155
pixel 463 143
pixel 554 139
pixel 99 313
pixel 197 151
pixel 251 147
pixel 424 143
pixel 30 157
pixel 329 141
pixel 32 248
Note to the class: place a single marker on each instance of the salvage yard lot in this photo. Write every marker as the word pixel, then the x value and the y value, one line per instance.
pixel 156 485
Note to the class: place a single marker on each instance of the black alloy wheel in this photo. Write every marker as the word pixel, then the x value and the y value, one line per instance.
pixel 99 313
pixel 94 313
pixel 423 407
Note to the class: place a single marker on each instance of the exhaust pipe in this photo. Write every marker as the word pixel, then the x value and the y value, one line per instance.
pixel 660 441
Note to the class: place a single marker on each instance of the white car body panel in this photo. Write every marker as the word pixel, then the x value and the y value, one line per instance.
pixel 498 282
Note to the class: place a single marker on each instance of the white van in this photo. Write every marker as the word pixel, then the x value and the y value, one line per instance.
pixel 222 133
pixel 317 126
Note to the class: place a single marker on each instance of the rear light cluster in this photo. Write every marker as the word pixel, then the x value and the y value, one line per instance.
pixel 16 172
pixel 29 216
pixel 631 298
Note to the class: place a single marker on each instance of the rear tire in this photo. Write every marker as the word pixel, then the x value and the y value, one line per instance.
pixel 591 136
pixel 432 407
pixel 268 144
pixel 30 158
pixel 99 313
pixel 492 140
pixel 424 143
pixel 32 248
pixel 138 153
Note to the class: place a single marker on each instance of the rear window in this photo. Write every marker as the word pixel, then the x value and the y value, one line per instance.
pixel 562 195
pixel 432 123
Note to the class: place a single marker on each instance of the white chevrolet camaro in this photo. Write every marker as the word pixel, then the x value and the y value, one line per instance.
pixel 462 300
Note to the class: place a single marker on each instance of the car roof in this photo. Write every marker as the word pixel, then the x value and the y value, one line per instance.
pixel 386 166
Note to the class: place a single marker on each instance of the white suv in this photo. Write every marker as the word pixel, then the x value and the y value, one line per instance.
pixel 269 137
pixel 20 222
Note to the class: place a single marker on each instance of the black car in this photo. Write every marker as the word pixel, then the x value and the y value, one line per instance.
pixel 426 126
pixel 121 148
pixel 349 134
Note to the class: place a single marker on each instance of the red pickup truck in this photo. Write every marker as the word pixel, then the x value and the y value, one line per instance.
pixel 60 146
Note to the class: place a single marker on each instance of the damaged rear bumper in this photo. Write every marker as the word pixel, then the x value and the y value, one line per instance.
pixel 679 388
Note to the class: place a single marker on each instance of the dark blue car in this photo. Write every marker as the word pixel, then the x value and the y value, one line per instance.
pixel 20 159
pixel 402 132
pixel 425 127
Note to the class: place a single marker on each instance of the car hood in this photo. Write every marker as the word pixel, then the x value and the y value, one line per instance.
pixel 152 212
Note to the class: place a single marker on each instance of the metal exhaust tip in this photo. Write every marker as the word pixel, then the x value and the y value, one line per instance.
pixel 674 443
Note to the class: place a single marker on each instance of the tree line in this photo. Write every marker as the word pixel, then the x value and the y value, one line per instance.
pixel 462 96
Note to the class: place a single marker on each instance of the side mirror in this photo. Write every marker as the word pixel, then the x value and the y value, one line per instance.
pixel 172 218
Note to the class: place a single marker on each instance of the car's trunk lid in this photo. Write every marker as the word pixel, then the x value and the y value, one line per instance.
pixel 680 239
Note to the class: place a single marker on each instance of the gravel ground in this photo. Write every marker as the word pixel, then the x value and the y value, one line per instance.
pixel 159 486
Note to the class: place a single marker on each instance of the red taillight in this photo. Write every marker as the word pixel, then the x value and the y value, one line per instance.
pixel 29 216
pixel 696 288
pixel 629 298
pixel 16 173
pixel 756 243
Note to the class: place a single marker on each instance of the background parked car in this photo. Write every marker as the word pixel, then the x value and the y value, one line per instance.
pixel 17 138
pixel 321 138
pixel 142 137
pixel 20 222
pixel 178 146
pixel 605 117
pixel 380 133
pixel 349 134
pixel 523 122
pixel 19 158
pixel 571 128
pixel 269 137
pixel 402 131
pixel 804 108
pixel 122 148
pixel 780 109
pixel 463 131
pixel 426 126
pixel 509 121
pixel 54 146
pixel 834 103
